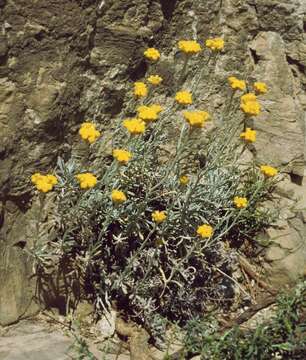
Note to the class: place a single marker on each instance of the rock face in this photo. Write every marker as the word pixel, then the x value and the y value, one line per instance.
pixel 63 61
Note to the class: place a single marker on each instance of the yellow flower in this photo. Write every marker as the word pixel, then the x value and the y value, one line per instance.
pixel 152 54
pixel 268 171
pixel 52 179
pixel 251 108
pixel 189 46
pixel 88 132
pixel 215 44
pixel 118 196
pixel 156 108
pixel 260 87
pixel 140 89
pixel 134 126
pixel 44 183
pixel 205 231
pixel 183 97
pixel 248 97
pixel 196 118
pixel 123 156
pixel 240 202
pixel 184 180
pixel 155 79
pixel 159 216
pixel 236 84
pixel 147 113
pixel 86 180
pixel 248 135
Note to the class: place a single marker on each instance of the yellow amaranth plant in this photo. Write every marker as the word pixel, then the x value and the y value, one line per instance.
pixel 184 180
pixel 86 180
pixel 189 47
pixel 155 79
pixel 152 54
pixel 183 97
pixel 159 216
pixel 215 44
pixel 240 202
pixel 248 135
pixel 147 113
pixel 122 156
pixel 89 132
pixel 260 87
pixel 118 196
pixel 134 126
pixel 236 84
pixel 268 171
pixel 140 89
pixel 44 183
pixel 196 118
pixel 205 231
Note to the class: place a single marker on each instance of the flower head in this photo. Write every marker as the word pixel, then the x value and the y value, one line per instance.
pixel 184 180
pixel 122 156
pixel 134 126
pixel 159 216
pixel 147 113
pixel 44 183
pixel 260 87
pixel 240 202
pixel 215 44
pixel 205 231
pixel 183 97
pixel 86 180
pixel 140 89
pixel 268 171
pixel 189 46
pixel 88 132
pixel 155 79
pixel 152 54
pixel 236 84
pixel 251 108
pixel 196 118
pixel 248 135
pixel 118 196
pixel 248 98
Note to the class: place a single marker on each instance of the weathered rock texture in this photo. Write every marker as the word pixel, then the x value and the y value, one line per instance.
pixel 63 61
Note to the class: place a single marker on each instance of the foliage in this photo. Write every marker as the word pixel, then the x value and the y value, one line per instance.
pixel 115 252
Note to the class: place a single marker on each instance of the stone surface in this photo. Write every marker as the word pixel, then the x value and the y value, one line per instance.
pixel 64 61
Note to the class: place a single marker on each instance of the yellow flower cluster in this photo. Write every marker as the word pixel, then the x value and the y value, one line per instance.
pixel 155 79
pixel 240 202
pixel 122 156
pixel 236 84
pixel 260 87
pixel 183 97
pixel 86 180
pixel 196 118
pixel 184 180
pixel 44 183
pixel 189 46
pixel 159 216
pixel 268 171
pixel 88 132
pixel 140 89
pixel 134 126
pixel 149 113
pixel 118 196
pixel 249 104
pixel 152 54
pixel 205 231
pixel 248 135
pixel 215 44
